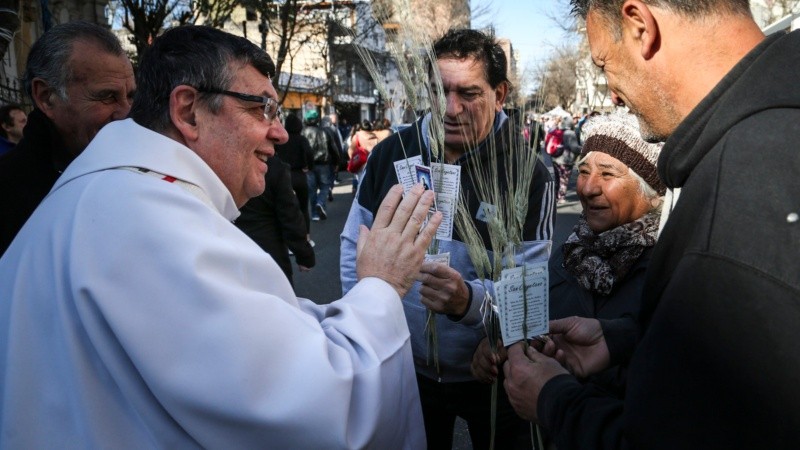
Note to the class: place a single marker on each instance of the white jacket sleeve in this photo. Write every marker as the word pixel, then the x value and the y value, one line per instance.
pixel 207 329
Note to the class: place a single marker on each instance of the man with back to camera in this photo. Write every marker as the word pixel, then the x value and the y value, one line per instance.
pixel 320 177
pixel 136 315
pixel 716 364
pixel 79 79
pixel 473 71
pixel 12 122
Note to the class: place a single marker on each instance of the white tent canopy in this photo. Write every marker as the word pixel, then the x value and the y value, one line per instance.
pixel 558 111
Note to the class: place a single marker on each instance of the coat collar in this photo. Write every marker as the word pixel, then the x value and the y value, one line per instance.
pixel 743 92
pixel 127 144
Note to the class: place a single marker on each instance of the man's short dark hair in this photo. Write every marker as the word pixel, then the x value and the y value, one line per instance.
pixel 50 54
pixel 466 43
pixel 611 10
pixel 197 56
pixel 6 118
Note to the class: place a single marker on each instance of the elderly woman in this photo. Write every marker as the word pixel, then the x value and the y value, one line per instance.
pixel 599 271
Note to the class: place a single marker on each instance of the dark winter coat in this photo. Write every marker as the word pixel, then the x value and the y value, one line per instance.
pixel 325 152
pixel 274 220
pixel 619 309
pixel 28 172
pixel 718 361
pixel 296 152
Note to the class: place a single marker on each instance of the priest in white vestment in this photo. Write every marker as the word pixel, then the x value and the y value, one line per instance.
pixel 133 314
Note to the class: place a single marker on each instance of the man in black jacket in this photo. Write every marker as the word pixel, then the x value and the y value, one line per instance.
pixel 275 222
pixel 320 178
pixel 717 361
pixel 79 79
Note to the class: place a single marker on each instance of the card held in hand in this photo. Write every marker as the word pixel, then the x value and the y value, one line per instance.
pixel 518 286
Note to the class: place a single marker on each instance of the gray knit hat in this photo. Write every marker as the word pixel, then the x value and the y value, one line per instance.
pixel 617 134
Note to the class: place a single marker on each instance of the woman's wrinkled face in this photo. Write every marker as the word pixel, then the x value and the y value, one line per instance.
pixel 609 193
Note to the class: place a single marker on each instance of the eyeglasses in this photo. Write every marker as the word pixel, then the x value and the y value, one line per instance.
pixel 272 110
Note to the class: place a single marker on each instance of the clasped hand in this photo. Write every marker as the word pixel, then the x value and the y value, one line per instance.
pixel 579 345
pixel 575 343
pixel 443 289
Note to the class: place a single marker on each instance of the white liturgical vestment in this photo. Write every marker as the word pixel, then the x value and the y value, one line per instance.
pixel 133 314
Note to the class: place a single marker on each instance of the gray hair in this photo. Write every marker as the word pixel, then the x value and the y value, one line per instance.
pixel 649 193
pixel 611 10
pixel 50 54
pixel 197 56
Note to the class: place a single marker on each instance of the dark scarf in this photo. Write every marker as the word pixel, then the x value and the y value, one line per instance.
pixel 598 261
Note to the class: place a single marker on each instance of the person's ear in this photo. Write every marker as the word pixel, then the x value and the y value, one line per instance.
pixel 641 25
pixel 183 105
pixel 44 96
pixel 500 94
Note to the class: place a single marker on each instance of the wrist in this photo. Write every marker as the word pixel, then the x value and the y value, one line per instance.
pixel 466 293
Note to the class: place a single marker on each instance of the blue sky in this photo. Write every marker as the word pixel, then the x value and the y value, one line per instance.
pixel 526 23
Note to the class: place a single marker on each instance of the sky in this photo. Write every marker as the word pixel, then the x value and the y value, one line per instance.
pixel 526 23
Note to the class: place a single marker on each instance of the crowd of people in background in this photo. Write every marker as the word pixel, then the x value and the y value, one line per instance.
pixel 146 284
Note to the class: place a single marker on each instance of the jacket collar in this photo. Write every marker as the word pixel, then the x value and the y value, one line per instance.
pixel 127 144
pixel 41 136
pixel 749 88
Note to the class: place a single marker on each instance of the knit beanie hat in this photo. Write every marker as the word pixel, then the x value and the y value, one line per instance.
pixel 617 134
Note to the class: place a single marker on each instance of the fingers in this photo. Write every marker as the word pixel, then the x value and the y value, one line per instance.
pixel 484 363
pixel 434 275
pixel 394 248
pixel 434 305
pixel 484 368
pixel 502 353
pixel 444 295
pixel 426 274
pixel 417 217
pixel 390 203
pixel 438 276
pixel 534 355
pixel 561 357
pixel 562 326
pixel 435 290
pixel 428 232
pixel 436 301
pixel 435 269
pixel 404 214
pixel 549 347
pixel 516 352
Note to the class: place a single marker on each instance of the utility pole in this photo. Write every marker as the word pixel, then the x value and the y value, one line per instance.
pixel 330 30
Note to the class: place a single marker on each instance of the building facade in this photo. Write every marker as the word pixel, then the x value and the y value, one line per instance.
pixel 31 20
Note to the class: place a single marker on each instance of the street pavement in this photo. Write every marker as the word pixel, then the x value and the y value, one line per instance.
pixel 322 283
